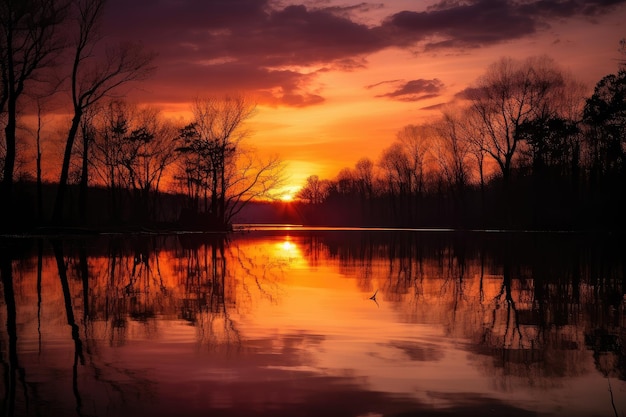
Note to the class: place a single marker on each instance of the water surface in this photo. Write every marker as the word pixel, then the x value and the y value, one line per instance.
pixel 289 322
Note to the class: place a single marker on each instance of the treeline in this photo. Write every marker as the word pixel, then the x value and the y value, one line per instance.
pixel 138 169
pixel 521 148
pixel 120 153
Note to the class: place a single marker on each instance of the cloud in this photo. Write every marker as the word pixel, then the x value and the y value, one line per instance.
pixel 437 106
pixel 263 45
pixel 568 8
pixel 468 93
pixel 301 100
pixel 369 87
pixel 475 23
pixel 270 86
pixel 471 25
pixel 248 29
pixel 415 90
pixel 353 11
pixel 244 45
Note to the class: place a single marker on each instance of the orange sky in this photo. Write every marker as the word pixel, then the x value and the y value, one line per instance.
pixel 335 80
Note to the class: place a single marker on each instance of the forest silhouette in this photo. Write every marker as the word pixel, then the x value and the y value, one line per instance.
pixel 527 150
pixel 525 147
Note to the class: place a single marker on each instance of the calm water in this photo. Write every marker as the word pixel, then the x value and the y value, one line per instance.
pixel 282 323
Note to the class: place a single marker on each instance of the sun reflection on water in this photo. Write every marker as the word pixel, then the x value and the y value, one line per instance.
pixel 288 316
pixel 288 250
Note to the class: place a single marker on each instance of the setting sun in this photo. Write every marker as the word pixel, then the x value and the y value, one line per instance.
pixel 288 193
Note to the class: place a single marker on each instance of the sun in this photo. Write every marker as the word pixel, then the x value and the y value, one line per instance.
pixel 288 193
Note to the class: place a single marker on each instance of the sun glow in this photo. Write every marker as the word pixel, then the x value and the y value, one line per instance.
pixel 288 193
pixel 289 251
pixel 289 247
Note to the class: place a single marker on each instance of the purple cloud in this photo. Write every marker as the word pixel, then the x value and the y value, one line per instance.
pixel 261 45
pixel 416 90
pixel 471 25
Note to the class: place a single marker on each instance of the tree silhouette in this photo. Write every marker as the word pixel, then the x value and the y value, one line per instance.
pixel 314 191
pixel 508 94
pixel 28 44
pixel 91 81
pixel 218 165
pixel 605 113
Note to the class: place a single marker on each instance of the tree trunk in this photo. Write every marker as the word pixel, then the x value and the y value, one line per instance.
pixel 222 199
pixel 84 179
pixel 57 215
pixel 6 274
pixel 6 188
pixel 39 185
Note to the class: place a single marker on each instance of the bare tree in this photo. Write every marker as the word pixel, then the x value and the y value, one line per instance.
pixel 314 191
pixel 156 153
pixel 147 151
pixel 133 149
pixel 212 143
pixel 605 116
pixel 416 140
pixel 87 134
pixel 397 170
pixel 345 182
pixel 250 177
pixel 28 44
pixel 112 125
pixel 40 215
pixel 453 151
pixel 510 93
pixel 192 174
pixel 92 79
pixel 404 167
pixel 364 182
pixel 473 130
pixel 398 175
pixel 454 157
pixel 364 172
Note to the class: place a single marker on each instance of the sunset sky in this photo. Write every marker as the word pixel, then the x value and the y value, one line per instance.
pixel 335 80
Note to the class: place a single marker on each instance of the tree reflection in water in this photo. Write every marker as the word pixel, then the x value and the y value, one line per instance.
pixel 530 311
pixel 10 362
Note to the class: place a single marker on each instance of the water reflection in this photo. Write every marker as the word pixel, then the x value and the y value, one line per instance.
pixel 283 323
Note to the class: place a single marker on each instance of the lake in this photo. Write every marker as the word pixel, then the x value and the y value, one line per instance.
pixel 289 321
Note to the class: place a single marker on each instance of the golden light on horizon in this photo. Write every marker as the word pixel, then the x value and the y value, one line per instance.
pixel 288 193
